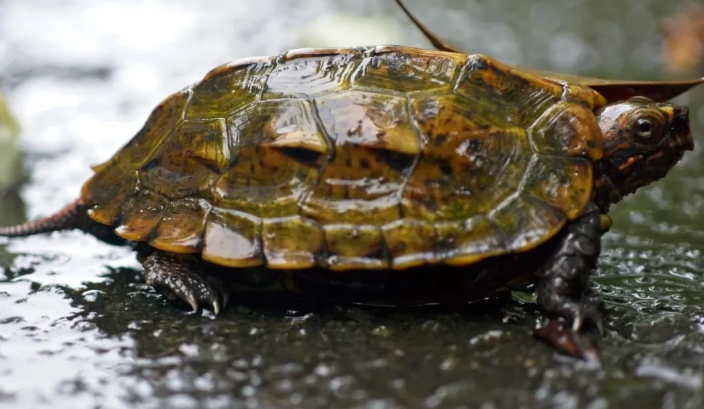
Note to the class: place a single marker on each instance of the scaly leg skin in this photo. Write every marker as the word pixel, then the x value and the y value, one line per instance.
pixel 181 276
pixel 562 287
pixel 72 216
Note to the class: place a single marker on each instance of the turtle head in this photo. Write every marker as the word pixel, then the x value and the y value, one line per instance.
pixel 643 140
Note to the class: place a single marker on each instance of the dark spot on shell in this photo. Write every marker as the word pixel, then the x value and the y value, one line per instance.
pixel 445 167
pixel 208 164
pixel 302 155
pixel 396 160
pixel 151 164
pixel 440 140
pixel 364 163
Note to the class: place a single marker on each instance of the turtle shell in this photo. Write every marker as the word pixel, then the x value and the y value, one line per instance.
pixel 364 158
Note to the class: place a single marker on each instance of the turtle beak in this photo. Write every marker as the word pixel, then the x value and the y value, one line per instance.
pixel 681 137
pixel 681 128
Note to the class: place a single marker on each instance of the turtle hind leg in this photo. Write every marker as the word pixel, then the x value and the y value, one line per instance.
pixel 563 291
pixel 73 216
pixel 181 276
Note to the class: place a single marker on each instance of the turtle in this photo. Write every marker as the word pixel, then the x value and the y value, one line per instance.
pixel 384 175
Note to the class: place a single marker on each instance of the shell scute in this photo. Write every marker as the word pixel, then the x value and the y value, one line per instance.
pixel 190 160
pixel 228 88
pixel 407 69
pixel 519 98
pixel 279 150
pixel 368 119
pixel 410 243
pixel 158 126
pixel 566 183
pixel 471 159
pixel 375 148
pixel 468 241
pixel 108 190
pixel 141 215
pixel 567 129
pixel 352 247
pixel 232 239
pixel 527 222
pixel 228 69
pixel 180 229
pixel 582 94
pixel 305 74
pixel 292 242
pixel 278 123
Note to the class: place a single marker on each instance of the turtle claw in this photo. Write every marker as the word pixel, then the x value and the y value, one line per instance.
pixel 216 306
pixel 568 341
pixel 181 278
pixel 192 301
pixel 568 338
pixel 225 300
pixel 577 323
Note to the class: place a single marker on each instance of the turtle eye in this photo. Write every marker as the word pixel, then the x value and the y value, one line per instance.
pixel 644 128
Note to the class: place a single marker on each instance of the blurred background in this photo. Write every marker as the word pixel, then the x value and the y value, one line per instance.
pixel 79 78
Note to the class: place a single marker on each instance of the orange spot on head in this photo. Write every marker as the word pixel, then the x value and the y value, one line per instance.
pixel 622 145
pixel 630 162
pixel 656 155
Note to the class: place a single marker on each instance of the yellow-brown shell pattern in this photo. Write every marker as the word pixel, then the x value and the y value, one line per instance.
pixel 365 158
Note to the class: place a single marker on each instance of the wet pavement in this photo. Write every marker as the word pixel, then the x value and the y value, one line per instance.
pixel 79 329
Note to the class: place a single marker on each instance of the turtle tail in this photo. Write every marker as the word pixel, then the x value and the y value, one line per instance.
pixel 72 216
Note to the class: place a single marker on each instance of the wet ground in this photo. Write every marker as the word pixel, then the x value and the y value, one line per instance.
pixel 78 328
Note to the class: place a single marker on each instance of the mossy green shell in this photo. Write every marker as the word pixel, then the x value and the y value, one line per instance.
pixel 369 158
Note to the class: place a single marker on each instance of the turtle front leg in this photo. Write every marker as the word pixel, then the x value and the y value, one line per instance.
pixel 563 287
pixel 182 276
